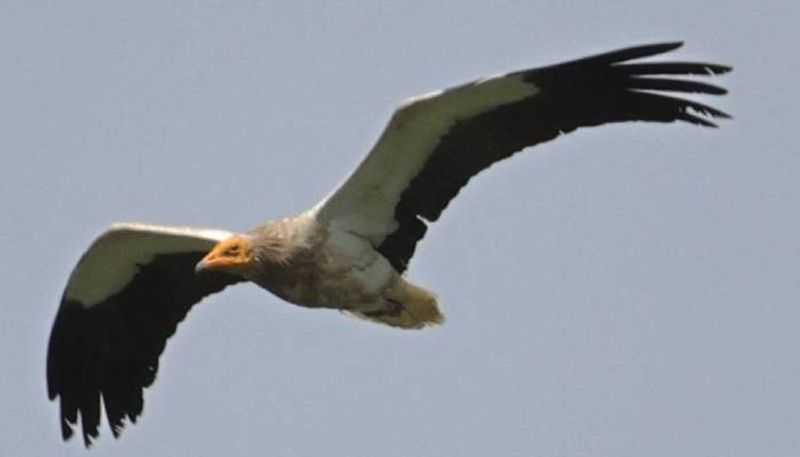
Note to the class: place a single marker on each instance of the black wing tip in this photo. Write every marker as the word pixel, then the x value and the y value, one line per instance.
pixel 89 437
pixel 622 55
pixel 69 424
pixel 637 52
pixel 620 60
pixel 635 82
pixel 639 77
pixel 647 50
pixel 89 432
pixel 66 429
pixel 697 120
pixel 696 116
pixel 718 69
pixel 661 107
pixel 116 430
pixel 659 48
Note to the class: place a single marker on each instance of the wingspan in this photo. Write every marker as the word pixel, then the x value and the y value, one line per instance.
pixel 435 143
pixel 123 301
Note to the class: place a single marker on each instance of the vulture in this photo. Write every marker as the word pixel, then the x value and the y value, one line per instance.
pixel 350 252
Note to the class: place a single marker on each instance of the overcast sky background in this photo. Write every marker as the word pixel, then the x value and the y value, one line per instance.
pixel 623 291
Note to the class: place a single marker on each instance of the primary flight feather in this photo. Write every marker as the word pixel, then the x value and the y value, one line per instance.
pixel 136 282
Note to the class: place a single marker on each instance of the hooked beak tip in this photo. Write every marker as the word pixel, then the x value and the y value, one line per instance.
pixel 201 266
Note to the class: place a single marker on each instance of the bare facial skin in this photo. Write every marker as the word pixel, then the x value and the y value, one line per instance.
pixel 232 255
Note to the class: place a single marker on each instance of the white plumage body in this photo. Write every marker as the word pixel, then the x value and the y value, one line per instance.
pixel 328 267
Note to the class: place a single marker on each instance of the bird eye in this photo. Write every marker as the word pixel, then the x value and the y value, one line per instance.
pixel 232 251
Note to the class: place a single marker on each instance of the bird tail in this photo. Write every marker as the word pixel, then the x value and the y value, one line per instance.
pixel 407 306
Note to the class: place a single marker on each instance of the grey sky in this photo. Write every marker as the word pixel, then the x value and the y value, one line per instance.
pixel 623 291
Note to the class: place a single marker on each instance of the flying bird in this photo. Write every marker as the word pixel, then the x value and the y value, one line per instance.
pixel 350 252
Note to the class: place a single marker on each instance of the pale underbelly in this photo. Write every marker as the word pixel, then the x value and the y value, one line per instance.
pixel 357 286
pixel 329 295
pixel 336 269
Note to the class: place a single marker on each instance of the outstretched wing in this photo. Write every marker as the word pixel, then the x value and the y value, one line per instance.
pixel 435 143
pixel 123 300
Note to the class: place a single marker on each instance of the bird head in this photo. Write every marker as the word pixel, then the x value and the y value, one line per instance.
pixel 232 255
